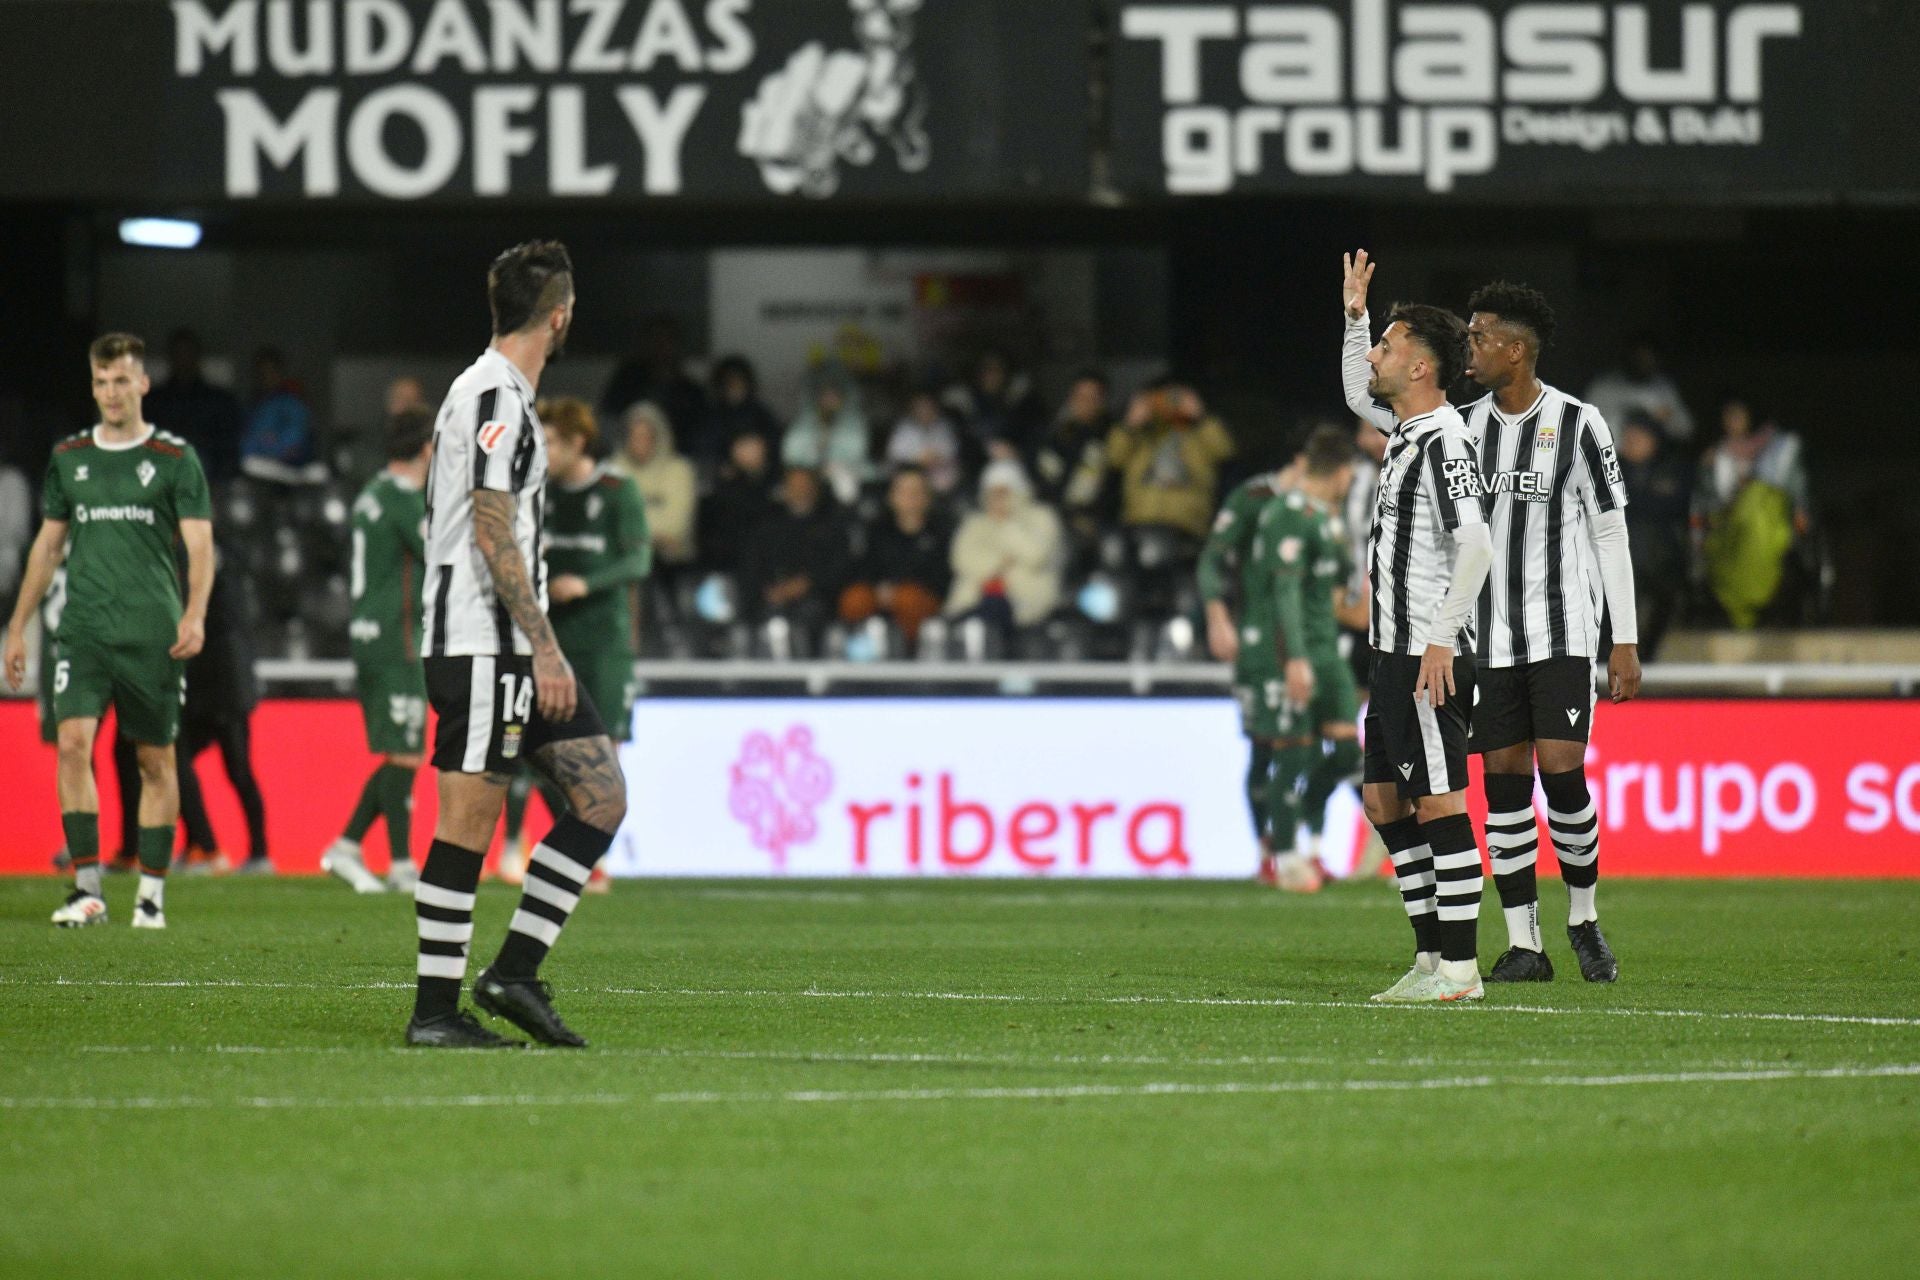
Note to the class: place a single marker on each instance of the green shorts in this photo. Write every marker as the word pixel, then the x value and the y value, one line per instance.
pixel 140 681
pixel 1257 685
pixel 1266 713
pixel 393 701
pixel 608 680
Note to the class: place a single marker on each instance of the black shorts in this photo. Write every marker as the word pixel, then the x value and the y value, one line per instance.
pixel 488 720
pixel 1420 748
pixel 1551 699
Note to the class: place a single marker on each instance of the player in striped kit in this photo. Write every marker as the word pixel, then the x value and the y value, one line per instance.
pixel 1558 513
pixel 1430 554
pixel 496 677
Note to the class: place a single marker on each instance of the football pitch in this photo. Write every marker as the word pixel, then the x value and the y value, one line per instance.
pixel 965 1079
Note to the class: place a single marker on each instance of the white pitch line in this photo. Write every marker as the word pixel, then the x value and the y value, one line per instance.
pixel 1155 1089
pixel 1257 1002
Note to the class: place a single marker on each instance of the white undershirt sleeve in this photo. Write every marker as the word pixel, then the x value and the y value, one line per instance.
pixel 1473 558
pixel 1355 373
pixel 1609 538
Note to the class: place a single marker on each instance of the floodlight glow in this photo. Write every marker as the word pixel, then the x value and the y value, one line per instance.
pixel 160 233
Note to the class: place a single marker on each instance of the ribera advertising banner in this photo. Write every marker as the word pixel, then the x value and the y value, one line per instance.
pixel 1067 788
pixel 1520 100
pixel 425 100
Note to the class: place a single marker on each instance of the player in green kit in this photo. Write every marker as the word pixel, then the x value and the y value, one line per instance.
pixel 1225 554
pixel 389 523
pixel 598 554
pixel 115 499
pixel 1296 584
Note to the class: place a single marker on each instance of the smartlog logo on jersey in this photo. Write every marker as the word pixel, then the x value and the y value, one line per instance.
pixel 1332 91
pixel 780 787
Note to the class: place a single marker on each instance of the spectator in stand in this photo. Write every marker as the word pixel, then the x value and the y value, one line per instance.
pixel 279 423
pixel 996 409
pixel 16 522
pixel 205 416
pixel 666 483
pixel 1007 557
pixel 737 408
pixel 1658 491
pixel 794 562
pixel 742 497
pixel 1750 504
pixel 1070 464
pixel 1639 386
pixel 830 435
pixel 406 393
pixel 924 439
pixel 1168 452
pixel 657 373
pixel 904 573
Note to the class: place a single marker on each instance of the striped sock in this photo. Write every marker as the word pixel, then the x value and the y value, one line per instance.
pixel 443 914
pixel 556 874
pixel 1456 869
pixel 1513 846
pixel 1413 872
pixel 83 846
pixel 1574 826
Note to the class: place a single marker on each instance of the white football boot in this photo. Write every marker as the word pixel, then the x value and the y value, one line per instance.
pixel 81 908
pixel 342 859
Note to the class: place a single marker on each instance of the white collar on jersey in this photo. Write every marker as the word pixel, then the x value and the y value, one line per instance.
pixel 116 447
pixel 599 470
pixel 1493 403
pixel 513 371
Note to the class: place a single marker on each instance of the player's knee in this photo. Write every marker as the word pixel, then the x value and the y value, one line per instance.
pixel 156 765
pixel 1430 808
pixel 1382 805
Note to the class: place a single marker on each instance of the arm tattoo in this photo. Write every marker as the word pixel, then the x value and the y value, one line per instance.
pixel 493 532
pixel 588 772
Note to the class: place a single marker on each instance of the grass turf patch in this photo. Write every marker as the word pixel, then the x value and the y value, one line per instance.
pixel 954 1079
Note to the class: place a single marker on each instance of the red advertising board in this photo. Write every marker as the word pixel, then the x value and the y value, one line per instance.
pixel 1687 788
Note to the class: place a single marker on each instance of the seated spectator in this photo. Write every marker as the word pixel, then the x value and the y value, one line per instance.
pixel 736 408
pixel 405 393
pixel 1749 505
pixel 279 424
pixel 665 480
pixel 904 573
pixel 657 373
pixel 206 416
pixel 1658 495
pixel 1639 386
pixel 926 440
pixel 830 435
pixel 997 413
pixel 1168 452
pixel 1070 464
pixel 794 563
pixel 742 497
pixel 1007 555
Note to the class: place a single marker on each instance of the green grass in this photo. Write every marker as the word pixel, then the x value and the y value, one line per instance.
pixel 775 1091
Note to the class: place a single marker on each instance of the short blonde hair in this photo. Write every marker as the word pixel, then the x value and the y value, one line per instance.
pixel 571 417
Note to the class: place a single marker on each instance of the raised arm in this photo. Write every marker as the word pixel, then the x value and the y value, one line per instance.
pixel 493 512
pixel 1355 373
pixel 42 560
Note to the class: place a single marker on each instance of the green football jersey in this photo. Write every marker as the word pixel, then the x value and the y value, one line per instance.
pixel 123 505
pixel 1298 558
pixel 389 555
pixel 598 531
pixel 1233 530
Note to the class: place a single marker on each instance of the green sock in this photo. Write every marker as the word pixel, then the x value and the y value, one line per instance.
pixel 518 792
pixel 83 843
pixel 395 785
pixel 1328 770
pixel 156 850
pixel 368 809
pixel 1290 764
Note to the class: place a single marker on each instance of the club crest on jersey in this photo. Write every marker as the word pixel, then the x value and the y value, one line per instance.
pixel 146 471
pixel 1290 549
pixel 80 472
pixel 1545 438
pixel 491 434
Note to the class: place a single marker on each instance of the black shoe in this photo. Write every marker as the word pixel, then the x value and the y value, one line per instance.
pixel 528 1004
pixel 1596 958
pixel 1518 964
pixel 457 1030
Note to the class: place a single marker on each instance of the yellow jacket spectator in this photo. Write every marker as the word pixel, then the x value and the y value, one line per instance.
pixel 1168 452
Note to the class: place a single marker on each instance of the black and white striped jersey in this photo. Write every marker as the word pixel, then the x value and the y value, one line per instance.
pixel 1429 486
pixel 1548 472
pixel 485 438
